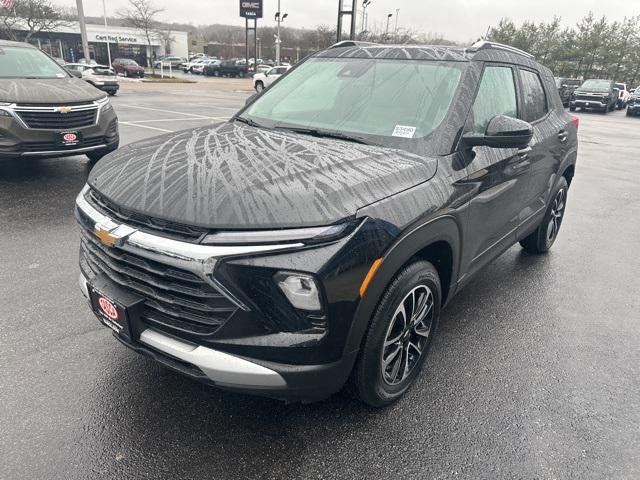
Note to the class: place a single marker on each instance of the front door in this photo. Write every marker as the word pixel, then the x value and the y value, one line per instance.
pixel 496 174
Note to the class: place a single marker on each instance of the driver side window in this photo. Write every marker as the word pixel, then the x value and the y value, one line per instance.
pixel 496 96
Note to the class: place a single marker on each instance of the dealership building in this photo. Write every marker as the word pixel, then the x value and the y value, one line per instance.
pixel 123 42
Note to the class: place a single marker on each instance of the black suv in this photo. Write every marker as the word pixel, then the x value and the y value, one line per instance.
pixel 314 239
pixel 595 94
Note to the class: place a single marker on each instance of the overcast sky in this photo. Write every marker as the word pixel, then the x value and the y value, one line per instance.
pixel 459 20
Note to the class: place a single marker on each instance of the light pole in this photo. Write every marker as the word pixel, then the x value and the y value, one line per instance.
pixel 386 33
pixel 395 33
pixel 83 31
pixel 279 18
pixel 365 4
pixel 106 30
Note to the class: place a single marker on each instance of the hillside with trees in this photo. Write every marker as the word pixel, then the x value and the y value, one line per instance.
pixel 593 48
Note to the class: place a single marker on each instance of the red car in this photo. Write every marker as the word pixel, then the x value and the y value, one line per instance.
pixel 128 67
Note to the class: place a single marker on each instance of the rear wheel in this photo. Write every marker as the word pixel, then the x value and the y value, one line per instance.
pixel 127 74
pixel 259 86
pixel 541 240
pixel 572 108
pixel 399 337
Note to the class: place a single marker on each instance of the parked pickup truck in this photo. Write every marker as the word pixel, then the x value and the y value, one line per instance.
pixel 227 68
pixel 595 94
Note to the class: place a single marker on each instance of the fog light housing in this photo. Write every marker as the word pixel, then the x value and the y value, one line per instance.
pixel 301 290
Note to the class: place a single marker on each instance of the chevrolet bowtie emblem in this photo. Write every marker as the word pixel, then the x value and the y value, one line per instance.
pixel 63 109
pixel 106 237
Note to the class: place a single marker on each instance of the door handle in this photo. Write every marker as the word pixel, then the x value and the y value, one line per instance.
pixel 562 135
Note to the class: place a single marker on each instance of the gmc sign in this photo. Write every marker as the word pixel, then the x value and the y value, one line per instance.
pixel 251 8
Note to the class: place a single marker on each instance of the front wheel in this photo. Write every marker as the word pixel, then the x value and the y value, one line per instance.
pixel 259 87
pixel 541 240
pixel 572 108
pixel 399 337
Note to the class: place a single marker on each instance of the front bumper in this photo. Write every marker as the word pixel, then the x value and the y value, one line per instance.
pixel 587 104
pixel 307 383
pixel 263 347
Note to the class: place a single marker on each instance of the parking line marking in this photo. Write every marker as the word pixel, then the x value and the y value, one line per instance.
pixel 145 126
pixel 179 119
pixel 165 111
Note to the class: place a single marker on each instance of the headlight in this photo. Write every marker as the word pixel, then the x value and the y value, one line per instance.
pixel 105 105
pixel 301 290
pixel 4 113
pixel 309 235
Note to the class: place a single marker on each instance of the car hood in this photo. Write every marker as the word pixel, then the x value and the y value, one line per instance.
pixel 238 177
pixel 47 90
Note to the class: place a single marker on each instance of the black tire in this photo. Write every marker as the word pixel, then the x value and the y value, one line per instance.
pixel 628 113
pixel 543 238
pixel 259 86
pixel 572 109
pixel 127 74
pixel 370 380
pixel 96 155
pixel 112 94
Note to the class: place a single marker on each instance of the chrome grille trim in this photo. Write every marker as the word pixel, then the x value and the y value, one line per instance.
pixel 198 259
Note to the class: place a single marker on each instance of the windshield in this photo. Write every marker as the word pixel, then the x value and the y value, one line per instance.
pixel 596 85
pixel 21 62
pixel 620 86
pixel 376 97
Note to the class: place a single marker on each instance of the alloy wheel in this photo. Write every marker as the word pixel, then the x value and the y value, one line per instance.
pixel 407 335
pixel 557 211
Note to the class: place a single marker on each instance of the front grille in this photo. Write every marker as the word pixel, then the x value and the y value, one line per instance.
pixel 590 98
pixel 163 228
pixel 52 146
pixel 58 121
pixel 175 299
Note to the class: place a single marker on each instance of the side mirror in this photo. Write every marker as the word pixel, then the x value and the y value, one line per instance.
pixel 75 73
pixel 502 132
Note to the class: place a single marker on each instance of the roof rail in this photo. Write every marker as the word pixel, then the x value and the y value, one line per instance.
pixel 486 44
pixel 351 43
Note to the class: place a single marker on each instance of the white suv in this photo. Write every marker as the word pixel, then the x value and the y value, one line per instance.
pixel 263 80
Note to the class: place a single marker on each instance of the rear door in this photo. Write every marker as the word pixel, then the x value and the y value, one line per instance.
pixel 546 147
pixel 493 173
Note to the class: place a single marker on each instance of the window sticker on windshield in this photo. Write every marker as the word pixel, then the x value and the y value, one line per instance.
pixel 404 131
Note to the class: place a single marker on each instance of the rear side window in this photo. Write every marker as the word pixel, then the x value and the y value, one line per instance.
pixel 496 96
pixel 534 100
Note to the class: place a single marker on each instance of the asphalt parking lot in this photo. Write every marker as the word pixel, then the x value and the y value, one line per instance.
pixel 535 372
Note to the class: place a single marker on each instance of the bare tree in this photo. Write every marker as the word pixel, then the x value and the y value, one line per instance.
pixel 141 14
pixel 33 16
pixel 166 36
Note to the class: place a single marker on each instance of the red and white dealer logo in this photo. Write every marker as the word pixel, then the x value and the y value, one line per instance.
pixel 70 137
pixel 108 308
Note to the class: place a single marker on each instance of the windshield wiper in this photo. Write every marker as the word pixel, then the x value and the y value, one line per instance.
pixel 248 121
pixel 325 134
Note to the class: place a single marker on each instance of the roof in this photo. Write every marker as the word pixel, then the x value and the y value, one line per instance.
pixel 489 51
pixel 9 43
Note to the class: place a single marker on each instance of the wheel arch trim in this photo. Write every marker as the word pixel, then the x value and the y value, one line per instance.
pixel 440 229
